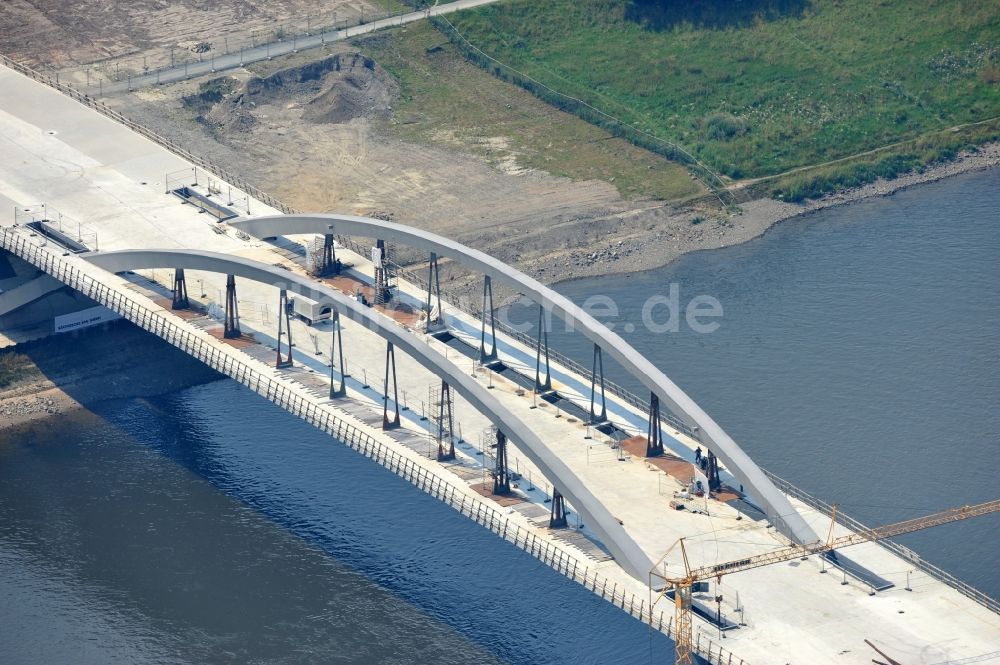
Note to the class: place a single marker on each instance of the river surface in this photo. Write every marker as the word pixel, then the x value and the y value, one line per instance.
pixel 858 357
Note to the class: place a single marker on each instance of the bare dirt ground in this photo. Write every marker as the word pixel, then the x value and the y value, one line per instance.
pixel 311 134
pixel 65 35
pixel 321 131
pixel 312 130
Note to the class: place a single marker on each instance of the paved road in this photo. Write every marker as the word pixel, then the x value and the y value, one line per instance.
pixel 235 59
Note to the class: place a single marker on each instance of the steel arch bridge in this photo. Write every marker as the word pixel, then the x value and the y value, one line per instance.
pixel 625 550
pixel 774 503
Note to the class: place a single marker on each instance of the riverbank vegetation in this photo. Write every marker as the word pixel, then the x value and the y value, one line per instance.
pixel 15 367
pixel 445 100
pixel 758 88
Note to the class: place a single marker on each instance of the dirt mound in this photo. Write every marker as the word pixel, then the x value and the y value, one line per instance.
pixel 220 105
pixel 334 90
pixel 355 87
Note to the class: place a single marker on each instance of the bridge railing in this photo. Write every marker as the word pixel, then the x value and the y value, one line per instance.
pixel 613 388
pixel 262 196
pixel 901 550
pixel 251 375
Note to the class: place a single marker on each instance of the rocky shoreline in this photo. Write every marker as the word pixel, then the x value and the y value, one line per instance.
pixel 64 373
pixel 689 230
pixel 35 403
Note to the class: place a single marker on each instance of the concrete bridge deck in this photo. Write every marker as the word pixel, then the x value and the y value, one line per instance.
pixel 93 169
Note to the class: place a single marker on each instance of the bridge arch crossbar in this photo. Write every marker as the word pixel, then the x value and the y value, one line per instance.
pixel 775 504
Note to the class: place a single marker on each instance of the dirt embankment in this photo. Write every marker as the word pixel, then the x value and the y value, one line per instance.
pixel 311 133
pixel 65 372
pixel 334 90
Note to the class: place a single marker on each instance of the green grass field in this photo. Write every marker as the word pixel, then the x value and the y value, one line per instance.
pixel 447 101
pixel 768 87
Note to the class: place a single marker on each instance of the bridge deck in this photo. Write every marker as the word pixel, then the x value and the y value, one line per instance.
pixel 90 168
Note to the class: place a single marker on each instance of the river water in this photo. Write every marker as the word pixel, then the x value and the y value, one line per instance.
pixel 857 357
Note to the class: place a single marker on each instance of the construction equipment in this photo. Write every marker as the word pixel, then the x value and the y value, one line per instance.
pixel 682 585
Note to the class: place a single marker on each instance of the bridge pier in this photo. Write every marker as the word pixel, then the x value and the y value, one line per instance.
pixel 542 385
pixel 180 299
pixel 337 351
pixel 284 328
pixel 501 474
pixel 232 325
pixel 654 440
pixel 491 355
pixel 329 264
pixel 445 431
pixel 557 518
pixel 383 276
pixel 390 366
pixel 597 380
pixel 714 482
pixel 433 288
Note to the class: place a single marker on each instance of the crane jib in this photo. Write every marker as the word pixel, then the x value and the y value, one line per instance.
pixel 723 567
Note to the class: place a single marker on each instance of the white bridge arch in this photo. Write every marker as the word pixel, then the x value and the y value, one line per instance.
pixel 775 504
pixel 608 529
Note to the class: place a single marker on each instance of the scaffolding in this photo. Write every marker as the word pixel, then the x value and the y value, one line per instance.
pixel 441 417
pixel 385 276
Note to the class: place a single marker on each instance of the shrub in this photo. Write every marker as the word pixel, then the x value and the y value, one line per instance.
pixel 724 126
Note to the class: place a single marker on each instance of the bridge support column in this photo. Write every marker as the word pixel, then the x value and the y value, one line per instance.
pixel 541 385
pixel 501 475
pixel 337 352
pixel 284 328
pixel 232 325
pixel 180 300
pixel 433 288
pixel 654 440
pixel 329 264
pixel 487 313
pixel 557 518
pixel 597 381
pixel 383 276
pixel 445 431
pixel 390 368
pixel 714 482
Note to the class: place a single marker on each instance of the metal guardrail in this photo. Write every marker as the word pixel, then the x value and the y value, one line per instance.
pixel 129 68
pixel 164 326
pixel 614 389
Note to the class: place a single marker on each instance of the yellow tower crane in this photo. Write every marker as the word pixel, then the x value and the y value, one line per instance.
pixel 682 586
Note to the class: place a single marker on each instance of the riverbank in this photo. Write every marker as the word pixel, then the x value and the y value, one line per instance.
pixel 693 230
pixel 64 373
pixel 537 188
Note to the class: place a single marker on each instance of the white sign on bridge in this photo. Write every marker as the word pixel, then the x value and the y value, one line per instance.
pixel 84 319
